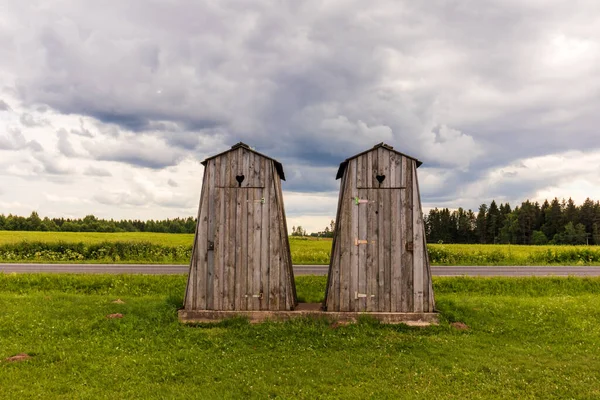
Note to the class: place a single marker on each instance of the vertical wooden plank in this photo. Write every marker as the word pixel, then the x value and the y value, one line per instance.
pixel 405 267
pixel 243 267
pixel 213 234
pixel 407 256
pixel 369 174
pixel 233 158
pixel 190 291
pixel 274 243
pixel 201 255
pixel 418 246
pixel 371 250
pixel 265 259
pixel 391 174
pixel 384 162
pixel 256 219
pixel 359 172
pixel 384 165
pixel 364 210
pixel 249 172
pixel 251 264
pixel 361 218
pixel 373 233
pixel 397 231
pixel 383 214
pixel 355 235
pixel 230 268
pixel 220 253
pixel 228 250
pixel 287 284
pixel 428 302
pixel 387 251
pixel 332 291
pixel 428 297
pixel 222 260
pixel 347 241
pixel 395 249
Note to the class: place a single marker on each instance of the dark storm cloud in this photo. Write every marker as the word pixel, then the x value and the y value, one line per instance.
pixel 133 158
pixel 305 178
pixel 464 86
pixel 149 154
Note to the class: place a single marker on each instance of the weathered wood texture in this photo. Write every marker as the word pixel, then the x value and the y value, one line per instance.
pixel 379 260
pixel 241 256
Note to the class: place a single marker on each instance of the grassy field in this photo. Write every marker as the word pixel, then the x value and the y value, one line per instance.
pixel 176 248
pixel 166 239
pixel 527 338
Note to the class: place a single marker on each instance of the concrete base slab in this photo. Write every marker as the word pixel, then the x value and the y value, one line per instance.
pixel 308 310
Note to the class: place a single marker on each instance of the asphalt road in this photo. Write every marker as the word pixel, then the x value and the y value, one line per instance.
pixel 300 269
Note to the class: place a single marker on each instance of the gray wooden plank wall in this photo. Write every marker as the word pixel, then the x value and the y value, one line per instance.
pixel 372 267
pixel 250 266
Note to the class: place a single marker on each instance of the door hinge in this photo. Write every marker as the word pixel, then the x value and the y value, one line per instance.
pixel 261 201
pixel 359 242
pixel 356 200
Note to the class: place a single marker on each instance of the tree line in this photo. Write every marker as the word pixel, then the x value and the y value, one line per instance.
pixel 552 222
pixel 92 224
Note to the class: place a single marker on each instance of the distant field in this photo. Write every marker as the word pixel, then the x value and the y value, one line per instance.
pixel 176 248
pixel 166 239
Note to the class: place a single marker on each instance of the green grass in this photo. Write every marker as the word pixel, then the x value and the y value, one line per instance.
pixel 528 338
pixel 176 248
pixel 166 239
pixel 503 254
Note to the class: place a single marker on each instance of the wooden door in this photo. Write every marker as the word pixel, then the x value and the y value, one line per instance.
pixel 382 272
pixel 235 262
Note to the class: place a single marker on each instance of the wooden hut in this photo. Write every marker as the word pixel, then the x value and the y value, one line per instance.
pixel 379 260
pixel 241 257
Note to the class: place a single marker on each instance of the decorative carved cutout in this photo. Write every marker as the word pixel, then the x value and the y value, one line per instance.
pixel 380 178
pixel 239 179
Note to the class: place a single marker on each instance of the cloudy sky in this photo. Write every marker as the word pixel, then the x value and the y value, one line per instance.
pixel 106 108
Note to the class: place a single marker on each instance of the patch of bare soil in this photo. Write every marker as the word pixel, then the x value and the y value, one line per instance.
pixel 113 316
pixel 337 324
pixel 461 326
pixel 18 357
pixel 118 301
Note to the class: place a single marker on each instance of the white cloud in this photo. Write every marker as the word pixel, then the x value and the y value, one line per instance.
pixel 94 171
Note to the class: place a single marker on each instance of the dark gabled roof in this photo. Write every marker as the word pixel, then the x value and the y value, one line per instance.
pixel 278 165
pixel 344 163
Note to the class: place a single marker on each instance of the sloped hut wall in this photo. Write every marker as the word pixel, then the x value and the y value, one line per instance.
pixel 379 260
pixel 241 258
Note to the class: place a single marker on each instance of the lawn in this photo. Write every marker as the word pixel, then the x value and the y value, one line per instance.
pixel 527 338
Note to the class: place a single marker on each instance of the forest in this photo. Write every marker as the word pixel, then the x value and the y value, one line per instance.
pixel 92 224
pixel 552 222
